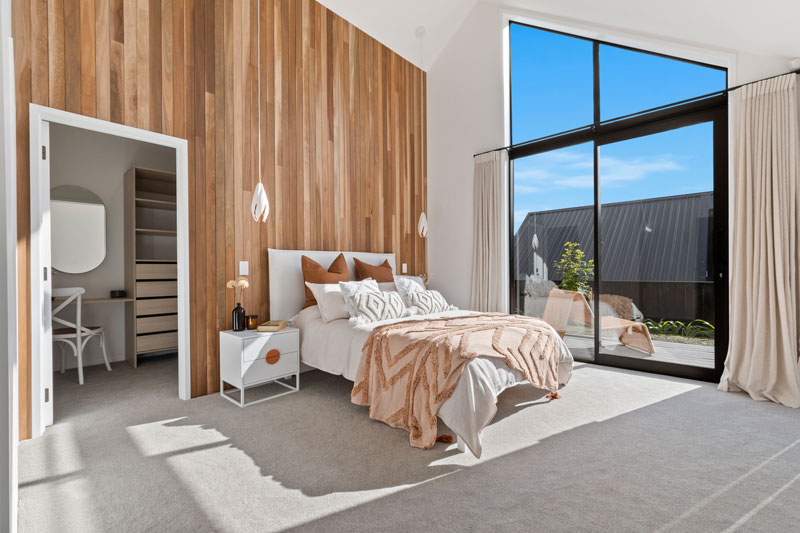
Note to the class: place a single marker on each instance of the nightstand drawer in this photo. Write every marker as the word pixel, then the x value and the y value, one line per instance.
pixel 260 370
pixel 257 347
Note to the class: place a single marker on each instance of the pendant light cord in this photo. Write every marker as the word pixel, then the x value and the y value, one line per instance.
pixel 258 40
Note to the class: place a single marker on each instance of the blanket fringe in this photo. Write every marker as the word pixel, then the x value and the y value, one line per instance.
pixel 553 396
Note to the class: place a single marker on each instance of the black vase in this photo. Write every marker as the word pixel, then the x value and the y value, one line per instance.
pixel 238 317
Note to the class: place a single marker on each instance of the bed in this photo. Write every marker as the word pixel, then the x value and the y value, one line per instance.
pixel 336 347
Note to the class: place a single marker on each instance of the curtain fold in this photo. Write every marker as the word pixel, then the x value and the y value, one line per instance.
pixel 490 246
pixel 765 250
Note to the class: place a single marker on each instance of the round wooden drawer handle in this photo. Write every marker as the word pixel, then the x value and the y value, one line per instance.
pixel 273 356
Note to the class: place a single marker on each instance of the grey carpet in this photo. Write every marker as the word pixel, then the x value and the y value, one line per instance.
pixel 622 451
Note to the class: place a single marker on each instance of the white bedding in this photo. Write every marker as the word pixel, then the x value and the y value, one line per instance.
pixel 335 348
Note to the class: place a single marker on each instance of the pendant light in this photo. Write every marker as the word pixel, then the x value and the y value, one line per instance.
pixel 422 225
pixel 259 208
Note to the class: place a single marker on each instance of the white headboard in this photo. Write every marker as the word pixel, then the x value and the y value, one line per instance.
pixel 287 292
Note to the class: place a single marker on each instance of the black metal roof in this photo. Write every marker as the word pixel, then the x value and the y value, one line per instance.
pixel 658 239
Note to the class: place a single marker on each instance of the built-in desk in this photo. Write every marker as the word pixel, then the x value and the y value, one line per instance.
pixel 94 300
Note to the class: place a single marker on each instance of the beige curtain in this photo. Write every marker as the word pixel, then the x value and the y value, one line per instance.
pixel 490 247
pixel 765 248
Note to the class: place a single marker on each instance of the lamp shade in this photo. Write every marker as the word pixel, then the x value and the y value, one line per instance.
pixel 260 206
pixel 422 225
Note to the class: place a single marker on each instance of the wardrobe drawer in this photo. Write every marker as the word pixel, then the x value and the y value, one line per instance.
pixel 157 271
pixel 154 324
pixel 160 306
pixel 159 341
pixel 150 289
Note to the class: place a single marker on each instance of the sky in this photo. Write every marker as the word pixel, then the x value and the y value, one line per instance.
pixel 552 91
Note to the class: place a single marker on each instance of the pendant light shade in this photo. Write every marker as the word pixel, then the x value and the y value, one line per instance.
pixel 260 206
pixel 422 225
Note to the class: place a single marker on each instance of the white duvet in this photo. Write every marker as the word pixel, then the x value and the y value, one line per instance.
pixel 335 347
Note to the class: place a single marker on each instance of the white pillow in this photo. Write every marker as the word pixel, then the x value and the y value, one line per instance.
pixel 388 286
pixel 352 288
pixel 406 284
pixel 427 302
pixel 329 299
pixel 375 306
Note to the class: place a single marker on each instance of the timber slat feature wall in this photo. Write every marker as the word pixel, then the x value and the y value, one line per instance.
pixel 343 126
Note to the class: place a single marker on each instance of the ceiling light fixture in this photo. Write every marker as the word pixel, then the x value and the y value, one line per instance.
pixel 422 225
pixel 259 208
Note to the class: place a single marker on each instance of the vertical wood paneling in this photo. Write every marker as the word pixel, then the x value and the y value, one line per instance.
pixel 102 19
pixel 130 54
pixel 167 65
pixel 57 70
pixel 21 26
pixel 40 62
pixel 72 54
pixel 142 66
pixel 88 62
pixel 342 126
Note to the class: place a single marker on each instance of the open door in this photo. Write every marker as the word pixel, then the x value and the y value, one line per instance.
pixel 41 282
pixel 40 271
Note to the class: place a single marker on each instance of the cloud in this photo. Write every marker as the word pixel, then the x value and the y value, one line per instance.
pixel 567 169
pixel 615 170
pixel 577 182
pixel 532 174
pixel 526 189
pixel 519 214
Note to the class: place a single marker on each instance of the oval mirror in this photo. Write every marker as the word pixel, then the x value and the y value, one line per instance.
pixel 77 229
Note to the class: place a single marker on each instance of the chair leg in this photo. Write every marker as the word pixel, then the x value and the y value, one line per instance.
pixel 63 360
pixel 103 348
pixel 79 354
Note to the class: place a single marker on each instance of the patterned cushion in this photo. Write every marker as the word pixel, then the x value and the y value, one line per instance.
pixel 375 306
pixel 351 289
pixel 427 302
pixel 406 284
pixel 388 286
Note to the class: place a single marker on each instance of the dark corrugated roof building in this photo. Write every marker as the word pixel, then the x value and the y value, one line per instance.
pixel 658 239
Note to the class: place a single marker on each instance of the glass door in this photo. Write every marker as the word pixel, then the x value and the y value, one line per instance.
pixel 661 290
pixel 554 236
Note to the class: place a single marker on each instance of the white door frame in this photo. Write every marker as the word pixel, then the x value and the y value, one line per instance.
pixel 9 408
pixel 41 275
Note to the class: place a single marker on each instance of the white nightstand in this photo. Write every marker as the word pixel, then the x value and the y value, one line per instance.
pixel 249 358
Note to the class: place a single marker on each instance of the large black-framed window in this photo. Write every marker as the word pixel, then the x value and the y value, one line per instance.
pixel 646 249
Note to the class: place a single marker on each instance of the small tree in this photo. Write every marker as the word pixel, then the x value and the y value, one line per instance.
pixel 574 269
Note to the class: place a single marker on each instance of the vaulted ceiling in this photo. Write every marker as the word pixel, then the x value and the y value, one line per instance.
pixel 766 27
pixel 394 23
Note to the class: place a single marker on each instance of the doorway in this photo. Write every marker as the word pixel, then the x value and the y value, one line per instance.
pixel 43 122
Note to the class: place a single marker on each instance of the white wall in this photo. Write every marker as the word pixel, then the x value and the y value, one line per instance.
pixel 8 279
pixel 466 99
pixel 98 162
pixel 465 116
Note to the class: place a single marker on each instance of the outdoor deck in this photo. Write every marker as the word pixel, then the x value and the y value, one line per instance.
pixel 668 352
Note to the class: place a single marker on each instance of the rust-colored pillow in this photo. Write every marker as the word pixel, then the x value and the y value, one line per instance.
pixel 381 273
pixel 313 272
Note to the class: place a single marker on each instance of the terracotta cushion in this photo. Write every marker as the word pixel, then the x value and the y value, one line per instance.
pixel 381 273
pixel 313 272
